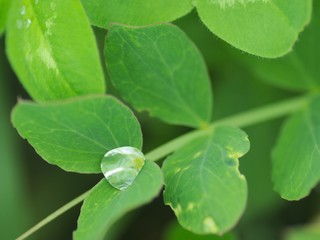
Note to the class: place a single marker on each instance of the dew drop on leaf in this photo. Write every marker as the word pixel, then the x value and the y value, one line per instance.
pixel 120 166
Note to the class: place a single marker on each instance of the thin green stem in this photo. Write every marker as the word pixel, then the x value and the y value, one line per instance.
pixel 244 119
pixel 54 215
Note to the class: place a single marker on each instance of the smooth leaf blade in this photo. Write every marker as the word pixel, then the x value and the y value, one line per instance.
pixel 75 134
pixel 296 165
pixel 299 69
pixel 267 28
pixel 105 204
pixel 203 184
pixel 135 12
pixel 158 69
pixel 52 49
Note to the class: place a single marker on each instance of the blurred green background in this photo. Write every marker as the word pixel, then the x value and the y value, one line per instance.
pixel 30 189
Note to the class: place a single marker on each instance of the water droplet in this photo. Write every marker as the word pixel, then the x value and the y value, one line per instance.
pixel 36 1
pixel 23 10
pixel 120 166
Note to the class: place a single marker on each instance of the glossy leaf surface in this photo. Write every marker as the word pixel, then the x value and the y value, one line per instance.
pixel 158 69
pixel 52 49
pixel 203 185
pixel 75 134
pixel 105 204
pixel 296 157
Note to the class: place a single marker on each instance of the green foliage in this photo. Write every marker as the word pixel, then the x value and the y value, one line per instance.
pixel 105 204
pixel 75 134
pixel 52 49
pixel 243 23
pixel 299 69
pixel 135 12
pixel 203 184
pixel 296 158
pixel 4 8
pixel 158 69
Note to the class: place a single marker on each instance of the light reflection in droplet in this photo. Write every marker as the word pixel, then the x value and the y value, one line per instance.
pixel 120 166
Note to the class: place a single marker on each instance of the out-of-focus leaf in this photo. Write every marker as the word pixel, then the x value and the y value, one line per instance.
pixel 296 157
pixel 299 70
pixel 307 232
pixel 14 201
pixel 4 8
pixel 176 232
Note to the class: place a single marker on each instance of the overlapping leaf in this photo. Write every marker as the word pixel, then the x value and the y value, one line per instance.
pixel 267 28
pixel 75 134
pixel 203 184
pixel 135 12
pixel 158 69
pixel 105 204
pixel 296 157
pixel 298 70
pixel 52 49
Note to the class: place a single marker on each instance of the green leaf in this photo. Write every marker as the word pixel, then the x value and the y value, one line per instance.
pixel 105 204
pixel 177 232
pixel 52 49
pixel 203 184
pixel 296 157
pixel 159 69
pixel 135 12
pixel 75 134
pixel 298 70
pixel 4 8
pixel 266 28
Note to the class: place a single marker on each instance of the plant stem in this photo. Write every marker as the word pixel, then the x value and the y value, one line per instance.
pixel 54 215
pixel 244 119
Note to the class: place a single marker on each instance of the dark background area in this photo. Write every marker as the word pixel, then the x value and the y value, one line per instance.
pixel 31 189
